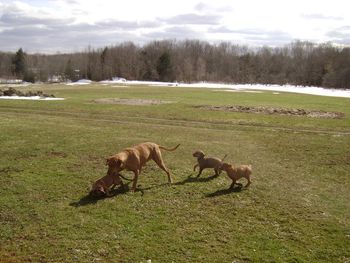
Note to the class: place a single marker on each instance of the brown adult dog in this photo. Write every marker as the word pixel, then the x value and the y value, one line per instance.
pixel 102 186
pixel 237 172
pixel 134 158
pixel 209 162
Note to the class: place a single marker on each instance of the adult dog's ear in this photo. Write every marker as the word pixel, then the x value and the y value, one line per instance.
pixel 108 160
pixel 114 162
pixel 111 161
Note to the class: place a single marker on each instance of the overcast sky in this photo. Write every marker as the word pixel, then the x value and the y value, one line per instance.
pixel 51 26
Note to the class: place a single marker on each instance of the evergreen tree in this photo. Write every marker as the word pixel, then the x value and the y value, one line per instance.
pixel 164 67
pixel 19 63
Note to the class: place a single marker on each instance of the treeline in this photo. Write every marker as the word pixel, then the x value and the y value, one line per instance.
pixel 299 63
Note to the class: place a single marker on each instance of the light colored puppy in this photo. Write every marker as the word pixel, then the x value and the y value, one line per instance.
pixel 105 184
pixel 207 162
pixel 237 172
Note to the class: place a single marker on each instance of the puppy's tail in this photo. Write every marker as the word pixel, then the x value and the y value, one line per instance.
pixel 172 149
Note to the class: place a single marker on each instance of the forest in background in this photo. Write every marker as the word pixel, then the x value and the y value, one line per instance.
pixel 298 63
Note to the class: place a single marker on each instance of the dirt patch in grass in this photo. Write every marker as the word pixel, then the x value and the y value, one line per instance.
pixel 132 101
pixel 272 110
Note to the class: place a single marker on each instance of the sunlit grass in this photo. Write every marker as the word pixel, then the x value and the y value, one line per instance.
pixel 296 209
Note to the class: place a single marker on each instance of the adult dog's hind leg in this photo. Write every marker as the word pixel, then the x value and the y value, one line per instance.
pixel 157 158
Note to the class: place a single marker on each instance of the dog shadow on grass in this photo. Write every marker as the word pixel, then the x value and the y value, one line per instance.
pixel 91 200
pixel 191 179
pixel 226 191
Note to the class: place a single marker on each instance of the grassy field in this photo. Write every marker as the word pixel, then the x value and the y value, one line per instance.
pixel 296 210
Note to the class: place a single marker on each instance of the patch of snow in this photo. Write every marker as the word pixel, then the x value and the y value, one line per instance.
pixel 28 98
pixel 10 81
pixel 114 80
pixel 152 83
pixel 80 82
pixel 285 88
pixel 254 87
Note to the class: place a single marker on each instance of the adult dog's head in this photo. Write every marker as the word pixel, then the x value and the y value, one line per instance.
pixel 114 165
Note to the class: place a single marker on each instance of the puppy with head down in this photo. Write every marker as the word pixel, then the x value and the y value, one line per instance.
pixel 237 172
pixel 207 162
pixel 103 185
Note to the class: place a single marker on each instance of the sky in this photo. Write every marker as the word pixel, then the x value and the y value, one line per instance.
pixel 52 26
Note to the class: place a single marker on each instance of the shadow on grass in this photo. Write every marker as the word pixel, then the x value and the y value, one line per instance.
pixel 225 191
pixel 138 189
pixel 90 200
pixel 190 179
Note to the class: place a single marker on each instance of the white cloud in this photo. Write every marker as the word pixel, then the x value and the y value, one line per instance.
pixel 56 23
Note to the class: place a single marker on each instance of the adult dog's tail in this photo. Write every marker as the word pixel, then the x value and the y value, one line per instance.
pixel 172 149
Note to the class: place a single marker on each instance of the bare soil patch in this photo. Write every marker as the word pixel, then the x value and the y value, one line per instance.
pixel 278 111
pixel 132 101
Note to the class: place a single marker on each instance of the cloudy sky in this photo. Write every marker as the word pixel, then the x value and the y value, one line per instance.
pixel 51 26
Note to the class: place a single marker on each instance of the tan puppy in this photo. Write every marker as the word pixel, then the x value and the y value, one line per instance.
pixel 134 158
pixel 237 172
pixel 207 162
pixel 102 186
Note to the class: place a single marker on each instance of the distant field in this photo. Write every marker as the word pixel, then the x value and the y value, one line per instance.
pixel 296 210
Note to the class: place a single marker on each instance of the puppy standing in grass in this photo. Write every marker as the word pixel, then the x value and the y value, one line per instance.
pixel 209 162
pixel 237 172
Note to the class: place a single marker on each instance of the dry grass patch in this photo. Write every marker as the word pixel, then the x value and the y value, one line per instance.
pixel 278 111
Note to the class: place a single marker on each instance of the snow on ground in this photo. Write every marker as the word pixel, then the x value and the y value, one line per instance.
pixel 28 98
pixel 115 80
pixel 252 87
pixel 218 86
pixel 284 88
pixel 80 82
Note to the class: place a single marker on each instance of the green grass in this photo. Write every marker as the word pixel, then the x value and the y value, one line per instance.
pixel 296 210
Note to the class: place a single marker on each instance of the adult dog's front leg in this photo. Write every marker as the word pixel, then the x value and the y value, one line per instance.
pixel 136 172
